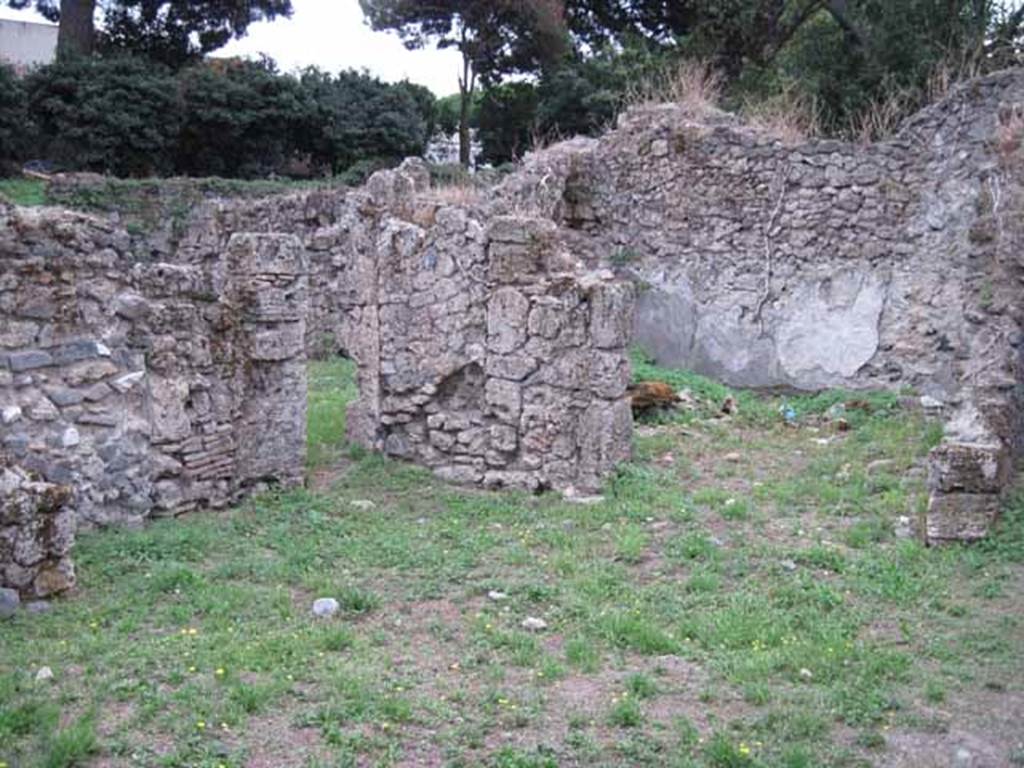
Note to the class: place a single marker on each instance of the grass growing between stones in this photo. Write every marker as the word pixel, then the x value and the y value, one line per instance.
pixel 737 600
pixel 27 192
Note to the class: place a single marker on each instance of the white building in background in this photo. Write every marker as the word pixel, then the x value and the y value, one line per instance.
pixel 26 44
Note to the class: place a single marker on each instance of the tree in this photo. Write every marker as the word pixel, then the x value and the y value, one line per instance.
pixel 239 119
pixel 77 33
pixel 178 32
pixel 841 55
pixel 360 120
pixel 174 32
pixel 14 123
pixel 508 116
pixel 494 38
pixel 116 115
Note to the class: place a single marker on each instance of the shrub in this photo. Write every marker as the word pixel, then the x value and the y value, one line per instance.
pixel 14 126
pixel 358 118
pixel 126 116
pixel 116 116
pixel 240 120
pixel 508 116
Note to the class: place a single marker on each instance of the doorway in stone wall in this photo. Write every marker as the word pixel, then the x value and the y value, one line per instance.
pixel 331 386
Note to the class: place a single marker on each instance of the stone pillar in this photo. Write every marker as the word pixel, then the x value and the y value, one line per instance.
pixel 967 474
pixel 269 278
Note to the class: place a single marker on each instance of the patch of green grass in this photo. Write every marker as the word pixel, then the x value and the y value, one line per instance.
pixel 72 746
pixel 626 713
pixel 632 630
pixel 641 686
pixel 582 654
pixel 331 389
pixel 27 192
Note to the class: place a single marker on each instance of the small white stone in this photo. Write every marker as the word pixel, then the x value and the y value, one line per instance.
pixel 325 607
pixel 533 624
pixel 806 673
pixel 70 438
pixel 963 758
pixel 124 383
pixel 573 496
pixel 362 504
pixel 102 349
pixel 496 596
pixel 44 675
pixel 930 403
pixel 10 414
pixel 788 565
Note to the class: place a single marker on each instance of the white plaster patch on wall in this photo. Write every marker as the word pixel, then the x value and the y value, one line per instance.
pixel 830 327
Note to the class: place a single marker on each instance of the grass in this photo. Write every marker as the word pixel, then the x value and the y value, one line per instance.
pixel 681 632
pixel 29 192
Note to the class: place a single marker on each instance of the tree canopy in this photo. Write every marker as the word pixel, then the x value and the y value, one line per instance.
pixel 494 37
pixel 174 32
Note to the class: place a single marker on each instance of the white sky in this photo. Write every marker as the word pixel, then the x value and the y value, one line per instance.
pixel 332 35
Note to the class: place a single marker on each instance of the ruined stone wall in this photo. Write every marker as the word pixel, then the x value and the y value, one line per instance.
pixel 485 354
pixel 767 264
pixel 148 388
pixel 37 531
pixel 485 376
pixel 155 373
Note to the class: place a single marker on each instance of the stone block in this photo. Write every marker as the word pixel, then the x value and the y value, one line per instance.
pixel 281 342
pixel 29 360
pixel 78 351
pixel 969 468
pixel 507 317
pixel 960 516
pixel 504 399
pixel 511 367
pixel 611 314
pixel 267 254
pixel 62 396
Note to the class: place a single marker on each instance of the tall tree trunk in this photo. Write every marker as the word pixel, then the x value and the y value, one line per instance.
pixel 77 28
pixel 467 83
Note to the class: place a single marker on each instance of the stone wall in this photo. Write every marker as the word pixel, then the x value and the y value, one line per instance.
pixel 486 354
pixel 149 388
pixel 37 531
pixel 161 371
pixel 822 264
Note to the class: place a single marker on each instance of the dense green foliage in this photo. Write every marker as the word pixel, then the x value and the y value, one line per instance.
pixel 507 115
pixel 849 68
pixel 129 116
pixel 858 66
pixel 13 117
pixel 356 120
pixel 113 115
pixel 243 121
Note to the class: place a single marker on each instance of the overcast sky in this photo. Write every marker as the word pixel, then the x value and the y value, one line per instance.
pixel 332 35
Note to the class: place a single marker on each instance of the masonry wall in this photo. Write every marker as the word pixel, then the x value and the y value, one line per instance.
pixel 158 372
pixel 148 388
pixel 485 354
pixel 823 264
